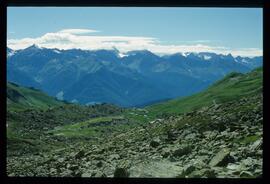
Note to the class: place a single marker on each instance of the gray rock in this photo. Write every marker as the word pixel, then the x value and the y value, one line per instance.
pixel 97 157
pixel 61 160
pixel 201 173
pixel 257 144
pixel 53 170
pixel 171 136
pixel 165 152
pixel 190 136
pixel 234 155
pixel 210 134
pixel 209 173
pixel 246 174
pixel 86 175
pixel 188 169
pixel 248 161
pixel 99 164
pixel 235 169
pixel 79 154
pixel 184 150
pixel 114 157
pixel 258 171
pixel 259 153
pixel 101 151
pixel 67 173
pixel 121 172
pixel 200 161
pixel 73 167
pixel 12 174
pixel 155 143
pixel 100 174
pixel 203 152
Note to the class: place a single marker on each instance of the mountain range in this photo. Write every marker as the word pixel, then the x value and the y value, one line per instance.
pixel 127 79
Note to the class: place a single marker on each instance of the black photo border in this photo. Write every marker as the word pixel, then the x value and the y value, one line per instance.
pixel 264 4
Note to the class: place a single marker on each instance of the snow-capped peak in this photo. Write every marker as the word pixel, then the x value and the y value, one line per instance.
pixel 244 60
pixel 34 46
pixel 121 55
pixel 185 54
pixel 205 57
pixel 56 51
pixel 11 53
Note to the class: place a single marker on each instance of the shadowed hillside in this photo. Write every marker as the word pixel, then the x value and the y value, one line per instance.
pixel 233 86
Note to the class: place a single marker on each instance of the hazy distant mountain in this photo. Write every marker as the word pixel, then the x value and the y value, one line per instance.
pixel 135 78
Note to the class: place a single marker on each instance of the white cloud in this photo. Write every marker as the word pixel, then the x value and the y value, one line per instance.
pixel 78 31
pixel 75 38
pixel 199 41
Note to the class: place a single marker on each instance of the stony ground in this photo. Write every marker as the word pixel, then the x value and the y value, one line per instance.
pixel 221 140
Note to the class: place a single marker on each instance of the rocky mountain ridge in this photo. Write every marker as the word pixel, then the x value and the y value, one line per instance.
pixel 139 77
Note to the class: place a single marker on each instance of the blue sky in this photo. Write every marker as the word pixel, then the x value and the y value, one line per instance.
pixel 158 29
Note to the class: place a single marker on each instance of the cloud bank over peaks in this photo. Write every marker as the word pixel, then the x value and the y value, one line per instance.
pixel 82 39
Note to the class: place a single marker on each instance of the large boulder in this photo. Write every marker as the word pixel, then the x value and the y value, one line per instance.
pixel 222 158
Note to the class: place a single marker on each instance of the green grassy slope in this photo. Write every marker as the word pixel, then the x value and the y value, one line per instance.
pixel 32 115
pixel 21 98
pixel 85 128
pixel 233 86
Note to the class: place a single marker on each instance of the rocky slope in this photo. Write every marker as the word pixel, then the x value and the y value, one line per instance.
pixel 222 139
